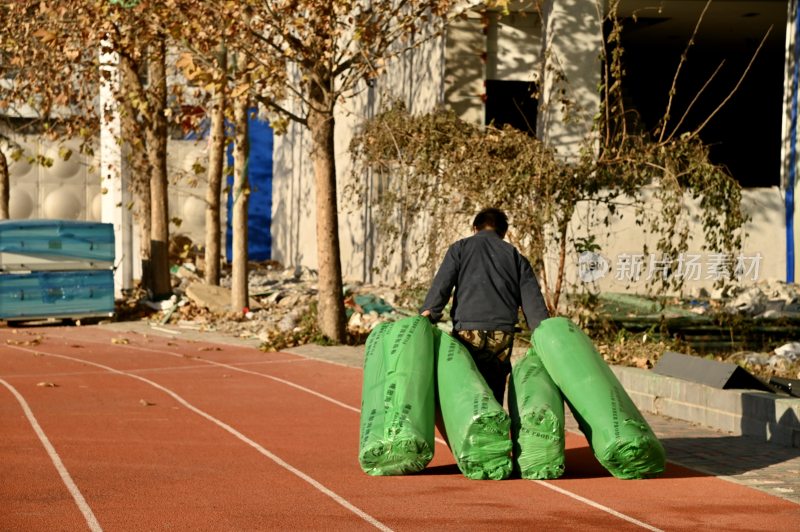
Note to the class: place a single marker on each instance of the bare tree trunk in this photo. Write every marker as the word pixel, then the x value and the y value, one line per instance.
pixel 157 155
pixel 216 160
pixel 241 192
pixel 562 262
pixel 139 183
pixel 140 190
pixel 331 316
pixel 5 187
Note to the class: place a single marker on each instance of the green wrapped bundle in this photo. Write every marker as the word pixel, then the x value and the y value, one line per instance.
pixel 476 425
pixel 537 420
pixel 619 436
pixel 397 401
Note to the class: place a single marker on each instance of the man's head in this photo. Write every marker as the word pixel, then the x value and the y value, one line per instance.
pixel 491 218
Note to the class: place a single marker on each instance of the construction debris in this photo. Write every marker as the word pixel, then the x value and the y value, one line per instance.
pixel 282 313
pixel 282 305
pixel 217 299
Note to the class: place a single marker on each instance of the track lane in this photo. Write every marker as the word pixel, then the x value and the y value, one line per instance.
pixel 585 477
pixel 34 495
pixel 336 461
pixel 685 490
pixel 151 467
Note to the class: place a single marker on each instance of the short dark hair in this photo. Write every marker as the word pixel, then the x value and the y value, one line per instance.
pixel 491 218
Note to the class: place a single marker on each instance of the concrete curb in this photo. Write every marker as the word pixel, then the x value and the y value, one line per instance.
pixel 768 417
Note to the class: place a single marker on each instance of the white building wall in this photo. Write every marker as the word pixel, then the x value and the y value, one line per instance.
pixel 763 253
pixel 447 70
pixel 573 38
pixel 513 46
pixel 414 78
pixel 789 144
pixel 294 240
pixel 464 68
pixel 561 52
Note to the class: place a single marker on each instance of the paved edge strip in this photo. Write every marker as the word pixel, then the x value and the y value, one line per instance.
pixel 83 506
pixel 258 447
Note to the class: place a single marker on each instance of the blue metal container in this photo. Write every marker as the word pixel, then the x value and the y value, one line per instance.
pixel 69 294
pixel 37 245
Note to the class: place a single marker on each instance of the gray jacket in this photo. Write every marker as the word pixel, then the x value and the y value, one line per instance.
pixel 492 280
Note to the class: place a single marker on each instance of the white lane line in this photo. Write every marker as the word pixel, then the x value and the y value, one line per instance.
pixel 163 369
pixel 275 458
pixel 241 370
pixel 162 329
pixel 597 506
pixel 91 520
pixel 440 441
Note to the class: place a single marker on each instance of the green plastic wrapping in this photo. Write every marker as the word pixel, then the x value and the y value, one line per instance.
pixel 397 398
pixel 619 436
pixel 477 426
pixel 537 420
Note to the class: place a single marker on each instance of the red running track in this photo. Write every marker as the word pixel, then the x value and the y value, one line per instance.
pixel 111 431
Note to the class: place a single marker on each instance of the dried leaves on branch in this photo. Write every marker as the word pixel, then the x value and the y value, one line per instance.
pixel 440 169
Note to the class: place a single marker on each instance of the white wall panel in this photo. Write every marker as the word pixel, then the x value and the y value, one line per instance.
pixel 71 190
pixel 23 200
pixel 63 202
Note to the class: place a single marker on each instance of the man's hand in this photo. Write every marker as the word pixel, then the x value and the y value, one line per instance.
pixel 426 313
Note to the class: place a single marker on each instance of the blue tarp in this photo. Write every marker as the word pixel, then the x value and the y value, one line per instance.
pixel 259 209
pixel 259 175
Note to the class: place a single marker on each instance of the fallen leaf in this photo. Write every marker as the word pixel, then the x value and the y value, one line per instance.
pixel 46 384
pixel 146 403
pixel 77 346
pixel 28 343
pixel 44 35
pixel 120 341
pixel 209 349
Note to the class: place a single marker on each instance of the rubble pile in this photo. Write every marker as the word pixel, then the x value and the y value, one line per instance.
pixel 783 361
pixel 282 313
pixel 764 299
pixel 282 306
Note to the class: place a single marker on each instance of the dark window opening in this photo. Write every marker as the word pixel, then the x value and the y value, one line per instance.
pixel 744 136
pixel 512 103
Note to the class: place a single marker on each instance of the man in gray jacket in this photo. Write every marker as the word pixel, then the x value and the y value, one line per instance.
pixel 492 280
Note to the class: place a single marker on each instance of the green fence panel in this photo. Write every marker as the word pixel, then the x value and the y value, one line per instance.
pixel 619 436
pixel 537 420
pixel 397 398
pixel 477 426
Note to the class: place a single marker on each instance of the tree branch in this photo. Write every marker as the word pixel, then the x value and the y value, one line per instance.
pixel 269 102
pixel 738 83
pixel 665 118
pixel 694 100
